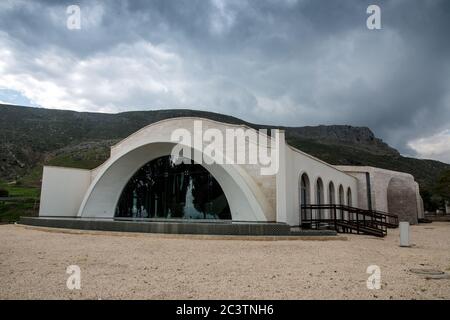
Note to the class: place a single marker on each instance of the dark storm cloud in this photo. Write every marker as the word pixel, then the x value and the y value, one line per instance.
pixel 287 62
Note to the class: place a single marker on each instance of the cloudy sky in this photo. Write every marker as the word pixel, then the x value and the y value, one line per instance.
pixel 289 62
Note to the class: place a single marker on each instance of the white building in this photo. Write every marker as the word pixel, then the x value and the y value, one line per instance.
pixel 138 181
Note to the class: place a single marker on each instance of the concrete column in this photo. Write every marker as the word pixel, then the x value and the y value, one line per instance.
pixel 404 234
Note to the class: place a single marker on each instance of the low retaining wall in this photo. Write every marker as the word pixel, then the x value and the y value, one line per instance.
pixel 436 217
pixel 172 227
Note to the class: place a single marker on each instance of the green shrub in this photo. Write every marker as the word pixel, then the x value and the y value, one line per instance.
pixel 4 193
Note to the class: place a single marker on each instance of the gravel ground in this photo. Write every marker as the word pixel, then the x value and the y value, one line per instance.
pixel 33 265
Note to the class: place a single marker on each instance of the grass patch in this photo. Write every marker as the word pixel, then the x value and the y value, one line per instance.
pixel 12 211
pixel 26 204
pixel 33 178
pixel 71 162
pixel 18 190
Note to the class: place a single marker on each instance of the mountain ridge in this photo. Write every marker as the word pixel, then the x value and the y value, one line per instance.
pixel 31 137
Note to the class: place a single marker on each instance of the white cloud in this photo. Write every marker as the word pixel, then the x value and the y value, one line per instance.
pixel 136 75
pixel 106 82
pixel 277 62
pixel 222 18
pixel 434 147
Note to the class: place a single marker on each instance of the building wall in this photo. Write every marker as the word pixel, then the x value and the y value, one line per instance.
pixel 361 186
pixel 298 163
pixel 391 191
pixel 252 196
pixel 63 190
pixel 402 200
pixel 420 208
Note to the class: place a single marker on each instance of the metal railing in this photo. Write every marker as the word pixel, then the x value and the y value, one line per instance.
pixel 346 219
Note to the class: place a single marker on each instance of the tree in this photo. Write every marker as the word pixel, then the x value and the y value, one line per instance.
pixel 430 202
pixel 442 188
pixel 4 193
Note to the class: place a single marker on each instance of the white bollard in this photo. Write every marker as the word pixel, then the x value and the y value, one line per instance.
pixel 404 234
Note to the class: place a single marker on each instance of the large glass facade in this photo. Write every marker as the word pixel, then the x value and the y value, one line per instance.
pixel 164 189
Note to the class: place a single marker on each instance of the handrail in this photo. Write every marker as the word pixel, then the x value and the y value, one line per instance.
pixel 393 218
pixel 347 219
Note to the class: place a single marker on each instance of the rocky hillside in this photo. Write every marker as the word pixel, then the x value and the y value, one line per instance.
pixel 31 137
pixel 357 137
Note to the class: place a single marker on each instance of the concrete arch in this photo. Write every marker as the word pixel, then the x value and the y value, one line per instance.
pixel 401 200
pixel 246 201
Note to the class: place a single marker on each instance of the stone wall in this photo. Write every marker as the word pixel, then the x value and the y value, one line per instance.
pixel 391 191
pixel 402 200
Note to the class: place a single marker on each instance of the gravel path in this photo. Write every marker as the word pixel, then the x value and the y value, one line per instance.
pixel 33 265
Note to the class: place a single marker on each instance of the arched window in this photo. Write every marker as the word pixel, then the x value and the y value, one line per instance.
pixel 304 198
pixel 349 197
pixel 304 190
pixel 165 189
pixel 319 192
pixel 342 200
pixel 341 195
pixel 331 193
pixel 319 198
